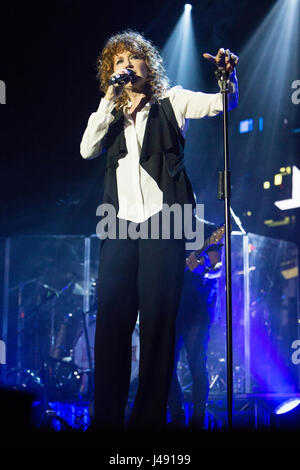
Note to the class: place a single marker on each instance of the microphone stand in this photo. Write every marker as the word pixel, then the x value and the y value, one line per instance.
pixel 224 193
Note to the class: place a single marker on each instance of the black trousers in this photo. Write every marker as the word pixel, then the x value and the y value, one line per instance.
pixel 144 276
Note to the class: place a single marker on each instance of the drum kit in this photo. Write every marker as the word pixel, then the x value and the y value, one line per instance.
pixel 55 353
pixel 55 343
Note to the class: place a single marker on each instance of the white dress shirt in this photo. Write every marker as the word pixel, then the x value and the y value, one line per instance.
pixel 138 193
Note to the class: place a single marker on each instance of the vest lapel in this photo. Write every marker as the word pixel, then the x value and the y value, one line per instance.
pixel 162 140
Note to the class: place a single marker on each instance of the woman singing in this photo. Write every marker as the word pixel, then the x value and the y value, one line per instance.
pixel 140 127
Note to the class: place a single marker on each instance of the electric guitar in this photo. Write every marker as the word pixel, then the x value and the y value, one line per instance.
pixel 196 258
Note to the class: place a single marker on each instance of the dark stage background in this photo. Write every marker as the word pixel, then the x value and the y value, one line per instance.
pixel 48 69
pixel 48 56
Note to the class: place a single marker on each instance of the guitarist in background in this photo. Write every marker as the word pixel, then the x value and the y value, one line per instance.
pixel 199 307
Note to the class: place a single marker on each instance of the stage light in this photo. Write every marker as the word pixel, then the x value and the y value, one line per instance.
pixel 278 32
pixel 180 53
pixel 291 273
pixel 277 223
pixel 278 179
pixel 277 36
pixel 287 415
pixel 287 406
pixel 246 126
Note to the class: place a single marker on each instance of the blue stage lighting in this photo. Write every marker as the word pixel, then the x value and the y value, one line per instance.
pixel 277 35
pixel 287 406
pixel 246 126
pixel 180 53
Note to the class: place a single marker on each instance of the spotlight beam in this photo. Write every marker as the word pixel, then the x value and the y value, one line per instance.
pixel 180 53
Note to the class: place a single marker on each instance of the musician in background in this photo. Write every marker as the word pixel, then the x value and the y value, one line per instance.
pixel 199 308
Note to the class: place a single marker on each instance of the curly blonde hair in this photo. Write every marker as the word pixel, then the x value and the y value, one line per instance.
pixel 157 82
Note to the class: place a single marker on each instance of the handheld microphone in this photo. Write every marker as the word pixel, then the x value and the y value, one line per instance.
pixel 122 78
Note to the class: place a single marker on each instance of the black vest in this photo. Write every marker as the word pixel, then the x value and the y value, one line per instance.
pixel 161 155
